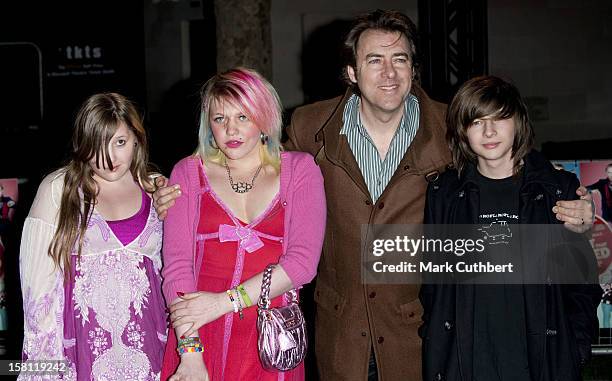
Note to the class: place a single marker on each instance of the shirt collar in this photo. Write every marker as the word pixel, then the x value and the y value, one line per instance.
pixel 352 117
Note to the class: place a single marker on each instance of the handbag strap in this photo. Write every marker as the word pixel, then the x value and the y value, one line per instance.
pixel 264 297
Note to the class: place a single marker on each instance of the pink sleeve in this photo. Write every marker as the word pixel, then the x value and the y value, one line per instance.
pixel 307 223
pixel 179 237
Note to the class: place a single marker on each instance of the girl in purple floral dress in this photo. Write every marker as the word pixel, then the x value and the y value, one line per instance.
pixel 90 255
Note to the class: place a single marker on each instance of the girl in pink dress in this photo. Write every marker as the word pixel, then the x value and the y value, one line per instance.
pixel 244 204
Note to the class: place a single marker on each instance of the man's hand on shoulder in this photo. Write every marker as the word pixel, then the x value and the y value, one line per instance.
pixel 164 196
pixel 577 215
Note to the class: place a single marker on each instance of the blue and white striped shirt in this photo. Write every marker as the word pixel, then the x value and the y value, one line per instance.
pixel 376 171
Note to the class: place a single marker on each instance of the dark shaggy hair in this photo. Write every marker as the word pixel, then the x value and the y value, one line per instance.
pixel 486 96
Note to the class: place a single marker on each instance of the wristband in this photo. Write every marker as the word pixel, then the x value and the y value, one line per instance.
pixel 245 296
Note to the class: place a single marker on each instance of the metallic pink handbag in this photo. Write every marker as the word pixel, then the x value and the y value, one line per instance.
pixel 282 330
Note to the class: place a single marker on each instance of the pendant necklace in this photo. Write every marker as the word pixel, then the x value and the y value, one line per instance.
pixel 241 186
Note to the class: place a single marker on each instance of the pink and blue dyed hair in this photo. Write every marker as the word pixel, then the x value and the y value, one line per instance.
pixel 255 96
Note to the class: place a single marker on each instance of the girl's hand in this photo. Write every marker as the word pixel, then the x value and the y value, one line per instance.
pixel 191 368
pixel 198 308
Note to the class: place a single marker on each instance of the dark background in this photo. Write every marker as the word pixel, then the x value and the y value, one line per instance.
pixel 53 55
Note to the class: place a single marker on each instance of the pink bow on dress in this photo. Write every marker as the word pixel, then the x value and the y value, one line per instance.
pixel 246 237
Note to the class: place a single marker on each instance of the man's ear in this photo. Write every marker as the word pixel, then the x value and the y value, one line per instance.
pixel 351 73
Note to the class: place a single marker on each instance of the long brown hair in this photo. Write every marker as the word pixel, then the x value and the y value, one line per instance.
pixel 487 96
pixel 95 124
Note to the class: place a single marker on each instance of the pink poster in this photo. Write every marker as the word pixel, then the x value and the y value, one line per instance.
pixel 597 177
pixel 8 201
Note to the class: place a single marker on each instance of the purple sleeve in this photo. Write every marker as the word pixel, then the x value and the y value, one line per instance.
pixel 307 223
pixel 179 237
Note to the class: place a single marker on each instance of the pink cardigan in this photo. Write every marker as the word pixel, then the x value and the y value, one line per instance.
pixel 303 196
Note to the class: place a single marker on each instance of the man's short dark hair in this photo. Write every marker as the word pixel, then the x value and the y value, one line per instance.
pixel 384 20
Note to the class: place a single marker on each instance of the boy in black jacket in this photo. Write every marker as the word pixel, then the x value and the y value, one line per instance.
pixel 502 331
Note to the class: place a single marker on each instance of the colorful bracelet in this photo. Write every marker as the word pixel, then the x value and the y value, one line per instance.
pixel 189 345
pixel 197 349
pixel 186 347
pixel 231 298
pixel 245 296
pixel 189 341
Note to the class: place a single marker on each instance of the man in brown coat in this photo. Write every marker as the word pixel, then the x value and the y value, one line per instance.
pixel 377 146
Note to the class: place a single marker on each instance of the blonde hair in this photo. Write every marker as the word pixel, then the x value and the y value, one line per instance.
pixel 255 96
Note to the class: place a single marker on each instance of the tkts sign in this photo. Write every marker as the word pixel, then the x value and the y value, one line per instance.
pixel 76 52
pixel 80 60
